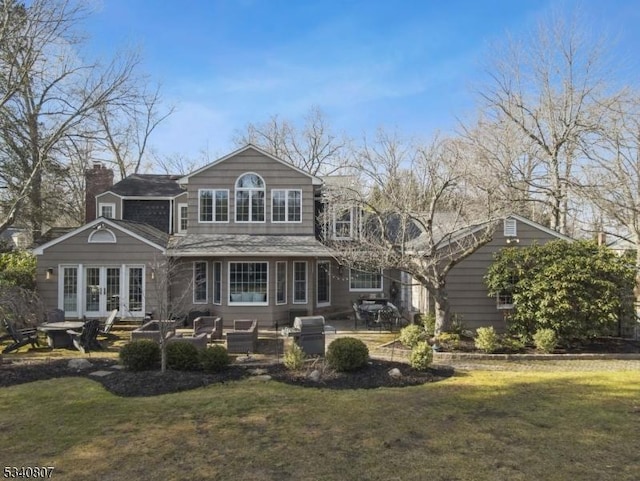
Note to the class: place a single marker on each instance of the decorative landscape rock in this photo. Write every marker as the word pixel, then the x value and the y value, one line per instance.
pixel 395 373
pixel 79 364
pixel 314 375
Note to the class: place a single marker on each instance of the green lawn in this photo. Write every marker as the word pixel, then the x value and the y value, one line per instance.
pixel 475 426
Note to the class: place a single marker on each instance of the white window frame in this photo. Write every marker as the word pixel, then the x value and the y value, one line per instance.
pixel 110 205
pixel 252 191
pixel 328 301
pixel 365 289
pixel 206 282
pixel 281 265
pixel 287 213
pixel 247 303
pixel 503 297
pixel 216 279
pixel 334 222
pixel 214 206
pixel 296 281
pixel 179 228
pixel 510 228
pixel 102 236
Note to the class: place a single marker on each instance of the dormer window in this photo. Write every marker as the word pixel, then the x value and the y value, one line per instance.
pixel 107 210
pixel 250 195
pixel 182 218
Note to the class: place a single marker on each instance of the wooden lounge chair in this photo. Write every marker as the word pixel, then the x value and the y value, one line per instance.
pixel 86 339
pixel 20 337
pixel 108 323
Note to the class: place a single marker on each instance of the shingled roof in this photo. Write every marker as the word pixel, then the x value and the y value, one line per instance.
pixel 148 185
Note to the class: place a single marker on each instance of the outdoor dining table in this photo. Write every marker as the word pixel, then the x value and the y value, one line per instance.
pixel 57 335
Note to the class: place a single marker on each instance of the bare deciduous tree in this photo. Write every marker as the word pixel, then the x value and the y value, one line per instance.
pixel 413 214
pixel 553 88
pixel 314 147
pixel 58 97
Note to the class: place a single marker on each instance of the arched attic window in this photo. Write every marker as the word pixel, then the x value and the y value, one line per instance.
pixel 250 198
pixel 102 235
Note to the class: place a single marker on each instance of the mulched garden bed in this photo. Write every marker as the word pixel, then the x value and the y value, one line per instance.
pixel 151 383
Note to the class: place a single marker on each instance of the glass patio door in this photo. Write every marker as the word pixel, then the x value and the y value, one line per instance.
pixel 102 290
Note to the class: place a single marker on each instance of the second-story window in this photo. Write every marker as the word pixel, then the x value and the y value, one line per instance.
pixel 250 195
pixel 213 205
pixel 343 224
pixel 182 218
pixel 286 205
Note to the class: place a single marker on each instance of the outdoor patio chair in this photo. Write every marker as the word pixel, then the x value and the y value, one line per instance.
pixel 244 337
pixel 20 337
pixel 108 323
pixel 387 318
pixel 209 325
pixel 357 316
pixel 86 339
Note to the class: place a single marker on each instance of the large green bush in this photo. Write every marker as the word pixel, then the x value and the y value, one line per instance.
pixel 577 289
pixel 182 356
pixel 214 359
pixel 347 354
pixel 140 355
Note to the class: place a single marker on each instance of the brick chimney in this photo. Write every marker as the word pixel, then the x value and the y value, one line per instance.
pixel 97 180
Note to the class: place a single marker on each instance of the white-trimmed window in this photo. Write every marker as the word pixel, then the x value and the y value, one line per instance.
pixel 510 228
pixel 200 282
pixel 343 224
pixel 300 282
pixel 182 218
pixel 286 205
pixel 107 210
pixel 281 282
pixel 250 197
pixel 364 280
pixel 323 284
pixel 504 299
pixel 102 236
pixel 217 283
pixel 213 205
pixel 248 283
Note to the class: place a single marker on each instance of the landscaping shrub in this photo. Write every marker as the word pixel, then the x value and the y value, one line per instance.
pixel 140 355
pixel 421 356
pixel 294 357
pixel 449 340
pixel 545 340
pixel 486 339
pixel 428 322
pixel 347 354
pixel 214 359
pixel 182 356
pixel 412 335
pixel 512 344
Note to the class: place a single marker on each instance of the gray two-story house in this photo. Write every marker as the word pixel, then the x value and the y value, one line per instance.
pixel 241 233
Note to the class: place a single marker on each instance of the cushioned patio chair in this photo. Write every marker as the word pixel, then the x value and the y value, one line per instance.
pixel 209 325
pixel 244 337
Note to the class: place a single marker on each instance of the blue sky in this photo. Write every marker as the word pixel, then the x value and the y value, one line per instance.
pixel 404 65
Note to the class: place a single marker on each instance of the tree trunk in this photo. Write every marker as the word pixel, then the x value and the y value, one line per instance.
pixel 442 310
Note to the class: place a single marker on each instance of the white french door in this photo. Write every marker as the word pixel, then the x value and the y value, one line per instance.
pixel 102 290
pixel 96 290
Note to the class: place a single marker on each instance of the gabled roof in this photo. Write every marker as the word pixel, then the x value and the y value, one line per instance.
pixel 143 232
pixel 455 235
pixel 315 180
pixel 148 185
pixel 195 245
